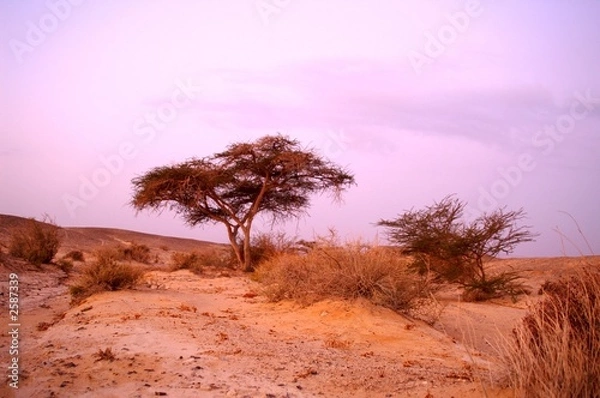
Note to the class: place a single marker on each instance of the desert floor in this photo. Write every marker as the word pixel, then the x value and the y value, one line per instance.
pixel 179 334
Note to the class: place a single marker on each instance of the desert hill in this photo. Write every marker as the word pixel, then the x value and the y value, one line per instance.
pixel 90 238
pixel 180 334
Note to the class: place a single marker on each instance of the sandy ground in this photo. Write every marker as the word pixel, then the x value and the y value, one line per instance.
pixel 182 335
pixel 178 334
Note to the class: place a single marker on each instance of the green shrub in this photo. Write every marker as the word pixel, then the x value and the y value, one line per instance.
pixel 37 242
pixel 555 350
pixel 106 273
pixel 350 271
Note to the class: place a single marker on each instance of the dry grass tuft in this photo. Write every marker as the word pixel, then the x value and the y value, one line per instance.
pixel 37 242
pixel 338 344
pixel 348 271
pixel 555 351
pixel 106 273
pixel 105 355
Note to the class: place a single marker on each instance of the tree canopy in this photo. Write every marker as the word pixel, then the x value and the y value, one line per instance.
pixel 273 175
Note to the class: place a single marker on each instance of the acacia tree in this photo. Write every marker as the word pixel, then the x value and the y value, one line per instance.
pixel 273 175
pixel 456 250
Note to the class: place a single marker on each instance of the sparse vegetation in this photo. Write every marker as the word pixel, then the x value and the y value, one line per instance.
pixel 191 261
pixel 502 284
pixel 267 245
pixel 135 252
pixel 75 255
pixel 105 355
pixel 105 273
pixel 446 248
pixel 348 271
pixel 65 265
pixel 272 175
pixel 555 351
pixel 217 257
pixel 37 242
pixel 196 261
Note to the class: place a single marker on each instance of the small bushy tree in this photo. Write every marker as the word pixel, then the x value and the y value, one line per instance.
pixel 454 250
pixel 273 175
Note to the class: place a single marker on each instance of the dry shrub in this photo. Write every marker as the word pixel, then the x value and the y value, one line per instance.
pixel 132 252
pixel 196 261
pixel 65 265
pixel 75 255
pixel 190 261
pixel 218 257
pixel 267 245
pixel 350 271
pixel 555 351
pixel 135 252
pixel 106 273
pixel 37 242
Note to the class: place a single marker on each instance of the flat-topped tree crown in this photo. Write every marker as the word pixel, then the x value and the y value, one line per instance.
pixel 273 175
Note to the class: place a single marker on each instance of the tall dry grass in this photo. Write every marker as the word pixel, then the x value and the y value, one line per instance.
pixel 555 351
pixel 348 271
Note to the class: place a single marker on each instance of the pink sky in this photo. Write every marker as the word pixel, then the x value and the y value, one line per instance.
pixel 497 102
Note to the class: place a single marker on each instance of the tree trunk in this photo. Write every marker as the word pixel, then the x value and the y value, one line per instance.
pixel 234 245
pixel 248 266
pixel 480 267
